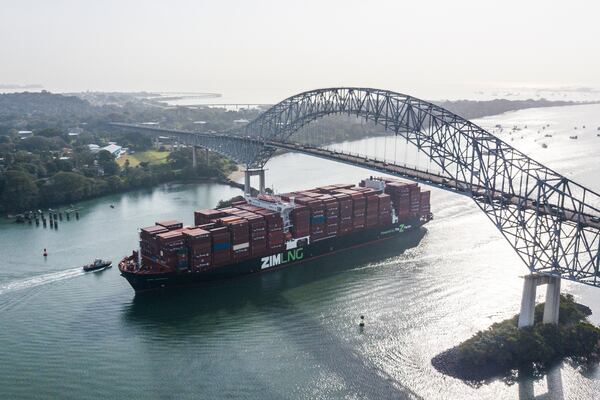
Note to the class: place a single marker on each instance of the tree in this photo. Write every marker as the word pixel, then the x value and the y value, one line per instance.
pixel 180 158
pixel 107 162
pixel 84 139
pixel 66 187
pixel 20 191
pixel 49 132
pixel 37 144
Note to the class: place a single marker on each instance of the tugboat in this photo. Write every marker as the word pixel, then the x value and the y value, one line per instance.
pixel 97 264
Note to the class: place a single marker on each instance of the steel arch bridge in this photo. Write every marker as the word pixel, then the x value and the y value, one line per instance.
pixel 551 222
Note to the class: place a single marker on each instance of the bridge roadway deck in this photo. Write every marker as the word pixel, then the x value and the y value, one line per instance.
pixel 442 182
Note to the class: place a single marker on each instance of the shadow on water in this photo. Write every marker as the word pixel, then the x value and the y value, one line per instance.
pixel 232 304
pixel 554 386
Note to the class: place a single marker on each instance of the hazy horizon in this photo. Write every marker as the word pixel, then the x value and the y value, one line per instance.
pixel 441 50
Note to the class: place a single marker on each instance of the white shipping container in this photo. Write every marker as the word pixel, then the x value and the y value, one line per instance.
pixel 241 246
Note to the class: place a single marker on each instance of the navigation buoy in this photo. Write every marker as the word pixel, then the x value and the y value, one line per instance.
pixel 362 321
pixel 45 253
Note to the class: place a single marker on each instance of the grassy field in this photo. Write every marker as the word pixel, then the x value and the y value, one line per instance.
pixel 150 156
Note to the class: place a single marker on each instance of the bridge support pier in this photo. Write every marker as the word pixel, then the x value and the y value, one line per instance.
pixel 194 158
pixel 248 173
pixel 551 307
pixel 552 301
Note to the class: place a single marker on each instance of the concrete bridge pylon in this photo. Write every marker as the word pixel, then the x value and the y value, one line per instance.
pixel 551 307
pixel 250 172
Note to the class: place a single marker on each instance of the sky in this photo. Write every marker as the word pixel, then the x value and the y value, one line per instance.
pixel 432 49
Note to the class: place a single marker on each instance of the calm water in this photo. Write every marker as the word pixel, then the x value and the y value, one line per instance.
pixel 282 335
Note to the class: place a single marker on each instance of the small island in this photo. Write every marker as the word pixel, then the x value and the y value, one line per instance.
pixel 503 348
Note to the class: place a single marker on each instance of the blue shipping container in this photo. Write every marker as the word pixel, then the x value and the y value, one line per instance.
pixel 221 246
pixel 317 220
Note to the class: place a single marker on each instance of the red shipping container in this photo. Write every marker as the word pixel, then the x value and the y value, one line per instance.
pixel 275 248
pixel 151 231
pixel 332 229
pixel 171 224
pixel 275 237
pixel 385 219
pixel 358 222
pixel 207 227
pixel 207 215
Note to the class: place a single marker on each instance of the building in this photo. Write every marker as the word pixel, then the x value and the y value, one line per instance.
pixel 74 132
pixel 24 134
pixel 114 149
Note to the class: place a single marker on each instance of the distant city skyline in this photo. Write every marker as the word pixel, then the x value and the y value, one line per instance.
pixel 272 49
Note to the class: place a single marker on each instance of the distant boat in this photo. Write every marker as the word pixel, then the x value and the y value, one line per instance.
pixel 547 135
pixel 544 145
pixel 573 137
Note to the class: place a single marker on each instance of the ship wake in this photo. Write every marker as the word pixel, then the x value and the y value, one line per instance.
pixel 39 280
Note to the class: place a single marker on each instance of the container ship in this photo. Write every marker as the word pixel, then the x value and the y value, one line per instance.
pixel 267 232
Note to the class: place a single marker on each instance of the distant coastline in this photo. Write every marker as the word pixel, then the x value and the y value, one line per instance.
pixel 14 86
pixel 471 109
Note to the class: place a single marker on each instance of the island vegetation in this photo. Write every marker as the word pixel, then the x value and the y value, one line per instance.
pixel 503 349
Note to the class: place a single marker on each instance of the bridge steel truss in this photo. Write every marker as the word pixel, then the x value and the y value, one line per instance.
pixel 551 222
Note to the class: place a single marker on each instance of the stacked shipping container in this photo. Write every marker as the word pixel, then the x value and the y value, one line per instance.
pixel 199 248
pixel 244 231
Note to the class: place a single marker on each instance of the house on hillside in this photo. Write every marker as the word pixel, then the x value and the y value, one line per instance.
pixel 114 149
